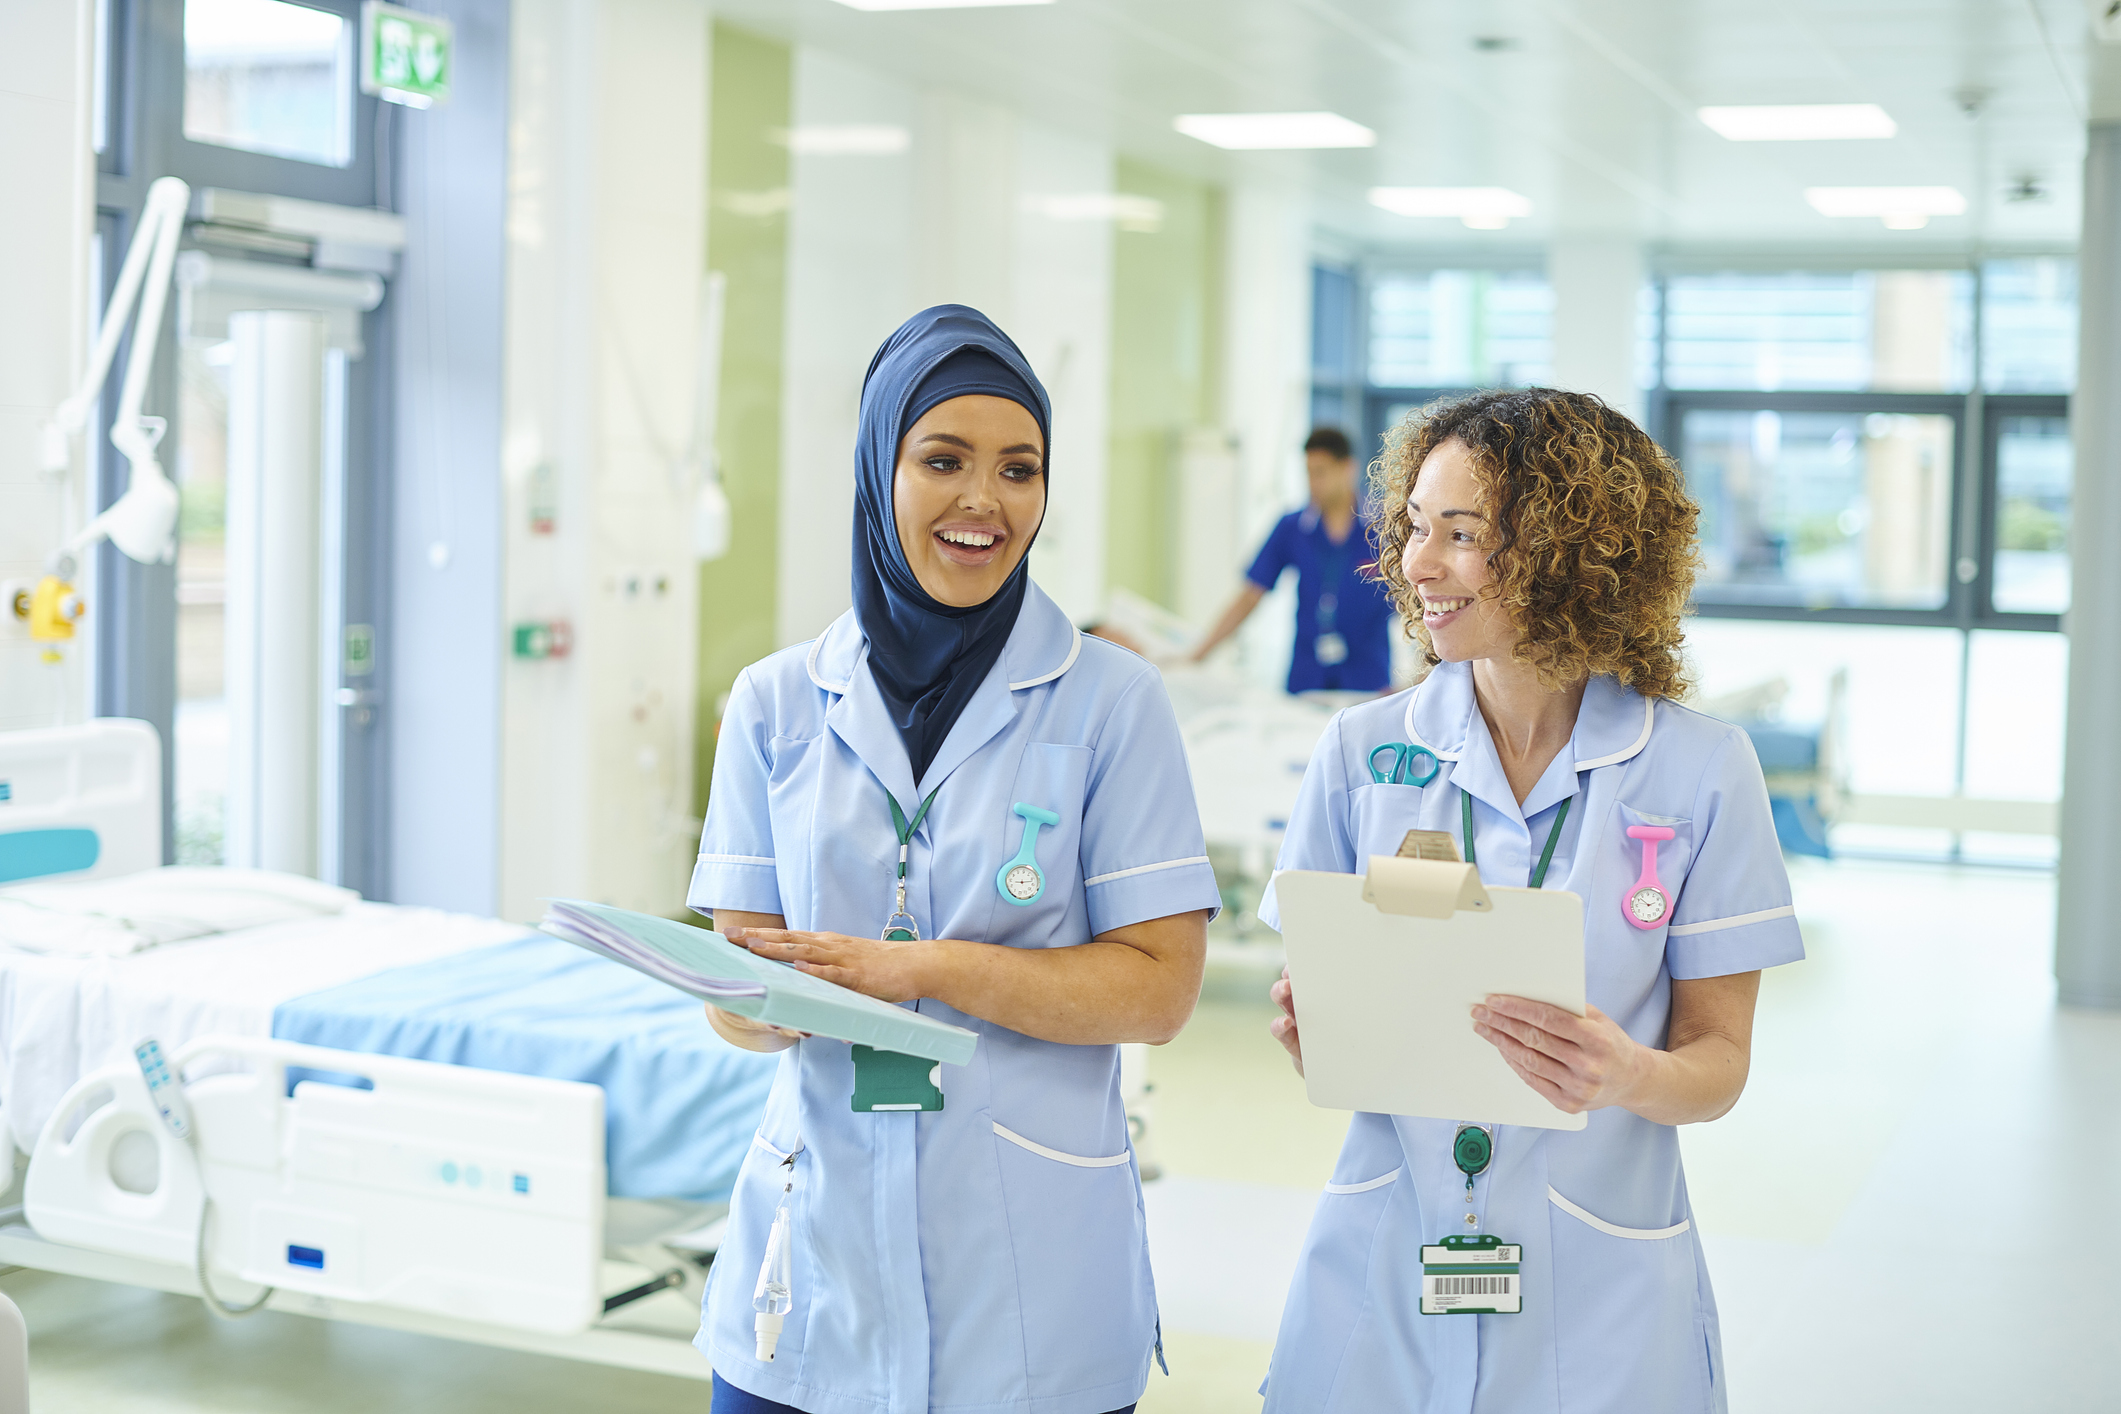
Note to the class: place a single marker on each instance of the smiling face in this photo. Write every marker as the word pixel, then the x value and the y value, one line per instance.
pixel 1446 561
pixel 968 495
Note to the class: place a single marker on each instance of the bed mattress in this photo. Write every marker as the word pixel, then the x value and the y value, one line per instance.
pixel 681 1105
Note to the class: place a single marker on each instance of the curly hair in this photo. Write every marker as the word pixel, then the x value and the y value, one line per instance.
pixel 1593 531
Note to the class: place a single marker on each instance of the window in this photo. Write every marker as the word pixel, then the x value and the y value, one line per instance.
pixel 1461 329
pixel 2029 326
pixel 1821 509
pixel 1903 330
pixel 2030 558
pixel 269 77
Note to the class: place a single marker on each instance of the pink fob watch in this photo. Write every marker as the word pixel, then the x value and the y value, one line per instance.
pixel 1647 903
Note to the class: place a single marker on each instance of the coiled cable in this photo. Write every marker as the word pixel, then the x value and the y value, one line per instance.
pixel 206 1288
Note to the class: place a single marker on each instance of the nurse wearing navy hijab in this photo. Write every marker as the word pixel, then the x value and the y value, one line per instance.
pixel 954 801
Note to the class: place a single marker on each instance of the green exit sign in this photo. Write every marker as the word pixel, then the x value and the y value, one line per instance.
pixel 406 57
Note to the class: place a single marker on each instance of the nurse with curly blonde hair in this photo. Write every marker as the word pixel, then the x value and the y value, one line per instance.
pixel 1542 548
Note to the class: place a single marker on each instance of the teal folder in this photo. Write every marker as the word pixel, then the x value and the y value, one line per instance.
pixel 710 967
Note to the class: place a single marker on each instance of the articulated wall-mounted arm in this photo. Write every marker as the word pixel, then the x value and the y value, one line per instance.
pixel 143 521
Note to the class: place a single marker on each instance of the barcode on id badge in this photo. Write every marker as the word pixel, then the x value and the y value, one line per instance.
pixel 1472 1286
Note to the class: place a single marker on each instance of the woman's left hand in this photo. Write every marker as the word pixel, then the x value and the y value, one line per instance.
pixel 1578 1062
pixel 888 971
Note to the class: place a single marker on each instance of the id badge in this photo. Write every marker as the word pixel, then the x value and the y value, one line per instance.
pixel 891 1080
pixel 1472 1276
pixel 1330 649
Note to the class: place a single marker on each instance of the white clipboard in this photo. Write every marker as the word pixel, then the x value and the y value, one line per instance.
pixel 1385 969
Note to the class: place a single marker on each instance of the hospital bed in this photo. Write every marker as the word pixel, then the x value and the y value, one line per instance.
pixel 407 1118
pixel 1247 748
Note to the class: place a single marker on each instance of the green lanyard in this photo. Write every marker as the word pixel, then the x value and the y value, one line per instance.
pixel 1546 856
pixel 911 932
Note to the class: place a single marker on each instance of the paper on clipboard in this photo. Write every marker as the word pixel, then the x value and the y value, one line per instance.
pixel 1385 968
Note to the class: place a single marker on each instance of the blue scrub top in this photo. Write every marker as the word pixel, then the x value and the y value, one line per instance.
pixel 1334 594
pixel 1618 1311
pixel 989 1257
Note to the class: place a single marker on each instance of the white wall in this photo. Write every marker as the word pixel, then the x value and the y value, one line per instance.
pixel 1597 282
pixel 850 282
pixel 46 171
pixel 980 209
pixel 1266 394
pixel 606 237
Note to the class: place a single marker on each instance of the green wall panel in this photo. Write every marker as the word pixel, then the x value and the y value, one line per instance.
pixel 1166 330
pixel 747 240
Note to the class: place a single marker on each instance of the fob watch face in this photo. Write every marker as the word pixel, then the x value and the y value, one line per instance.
pixel 1647 905
pixel 1023 882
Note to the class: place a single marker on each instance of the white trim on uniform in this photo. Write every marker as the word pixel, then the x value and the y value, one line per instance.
pixel 1074 651
pixel 1639 1234
pixel 737 859
pixel 1076 1159
pixel 1392 1177
pixel 1649 717
pixel 810 666
pixel 1415 737
pixel 759 1141
pixel 1144 869
pixel 1717 925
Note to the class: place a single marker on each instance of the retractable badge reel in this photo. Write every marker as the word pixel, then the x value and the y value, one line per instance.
pixel 1647 903
pixel 1477 1273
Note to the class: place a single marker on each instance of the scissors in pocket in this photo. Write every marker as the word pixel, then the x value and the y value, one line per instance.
pixel 1402 770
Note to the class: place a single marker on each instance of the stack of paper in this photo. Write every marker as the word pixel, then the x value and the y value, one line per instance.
pixel 710 967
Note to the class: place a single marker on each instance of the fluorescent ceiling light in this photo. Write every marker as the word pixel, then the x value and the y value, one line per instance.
pixel 1800 122
pixel 1482 208
pixel 1258 131
pixel 1900 208
pixel 935 4
pixel 844 140
pixel 1122 209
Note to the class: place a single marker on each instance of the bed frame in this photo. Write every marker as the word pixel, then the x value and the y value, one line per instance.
pixel 86 801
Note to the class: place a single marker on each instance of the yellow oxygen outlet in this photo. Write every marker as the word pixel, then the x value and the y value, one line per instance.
pixel 52 611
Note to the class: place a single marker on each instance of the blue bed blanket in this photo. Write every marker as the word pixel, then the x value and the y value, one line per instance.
pixel 680 1104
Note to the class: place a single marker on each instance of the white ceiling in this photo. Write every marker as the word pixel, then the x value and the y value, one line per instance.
pixel 1585 106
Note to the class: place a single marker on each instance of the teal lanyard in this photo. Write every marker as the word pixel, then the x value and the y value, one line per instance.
pixel 1546 856
pixel 905 830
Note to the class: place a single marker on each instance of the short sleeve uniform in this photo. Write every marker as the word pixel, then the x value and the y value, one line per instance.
pixel 1337 597
pixel 988 1257
pixel 1618 1310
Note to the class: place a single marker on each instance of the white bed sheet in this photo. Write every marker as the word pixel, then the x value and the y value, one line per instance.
pixel 62 1017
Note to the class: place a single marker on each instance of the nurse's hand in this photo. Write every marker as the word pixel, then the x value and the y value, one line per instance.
pixel 1283 1028
pixel 747 1034
pixel 888 971
pixel 1578 1062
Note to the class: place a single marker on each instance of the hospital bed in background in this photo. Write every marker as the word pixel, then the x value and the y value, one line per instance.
pixel 1247 747
pixel 347 1008
pixel 1805 763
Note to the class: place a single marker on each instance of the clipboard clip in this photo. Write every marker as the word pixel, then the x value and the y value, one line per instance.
pixel 1423 888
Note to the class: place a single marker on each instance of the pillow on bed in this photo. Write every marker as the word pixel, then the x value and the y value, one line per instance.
pixel 114 916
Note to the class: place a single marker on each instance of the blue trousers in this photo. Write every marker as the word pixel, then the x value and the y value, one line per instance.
pixel 728 1399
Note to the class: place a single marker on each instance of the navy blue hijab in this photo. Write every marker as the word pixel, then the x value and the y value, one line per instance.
pixel 927 657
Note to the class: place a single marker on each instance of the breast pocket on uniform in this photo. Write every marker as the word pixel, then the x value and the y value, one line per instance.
pixel 1039 841
pixel 1381 815
pixel 1654 851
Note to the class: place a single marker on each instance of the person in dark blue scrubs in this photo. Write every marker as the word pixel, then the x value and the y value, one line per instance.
pixel 1343 615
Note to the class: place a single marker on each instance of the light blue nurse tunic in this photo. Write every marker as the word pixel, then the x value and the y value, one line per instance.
pixel 988 1256
pixel 1618 1314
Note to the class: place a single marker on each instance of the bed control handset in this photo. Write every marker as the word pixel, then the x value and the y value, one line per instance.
pixel 164 1088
